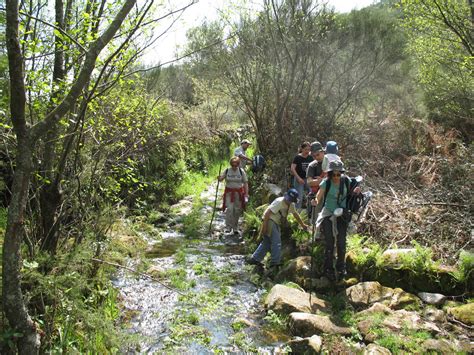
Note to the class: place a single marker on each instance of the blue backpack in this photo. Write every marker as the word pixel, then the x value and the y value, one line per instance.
pixel 332 148
pixel 258 163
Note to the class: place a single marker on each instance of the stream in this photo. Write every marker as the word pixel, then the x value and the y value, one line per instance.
pixel 221 310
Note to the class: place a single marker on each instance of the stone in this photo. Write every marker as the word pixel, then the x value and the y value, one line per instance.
pixel 438 346
pixel 434 315
pixel 394 256
pixel 271 192
pixel 374 349
pixel 310 345
pixel 375 308
pixel 366 293
pixel 285 300
pixel 182 208
pixel 298 270
pixel 394 322
pixel 155 271
pixel 464 313
pixel 305 324
pixel 435 299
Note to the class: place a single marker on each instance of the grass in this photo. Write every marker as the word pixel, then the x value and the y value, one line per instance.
pixel 195 182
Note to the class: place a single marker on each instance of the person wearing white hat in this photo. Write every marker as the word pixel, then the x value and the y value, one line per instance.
pixel 240 153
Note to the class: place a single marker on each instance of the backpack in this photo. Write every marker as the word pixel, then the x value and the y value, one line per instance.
pixel 354 201
pixel 241 171
pixel 258 163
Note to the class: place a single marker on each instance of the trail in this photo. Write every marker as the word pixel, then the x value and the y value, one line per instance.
pixel 222 310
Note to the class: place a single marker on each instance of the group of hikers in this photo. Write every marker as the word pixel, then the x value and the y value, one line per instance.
pixel 319 180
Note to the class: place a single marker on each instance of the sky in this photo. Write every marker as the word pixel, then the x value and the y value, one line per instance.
pixel 166 48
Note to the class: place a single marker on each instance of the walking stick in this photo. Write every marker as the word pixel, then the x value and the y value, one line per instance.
pixel 312 249
pixel 215 201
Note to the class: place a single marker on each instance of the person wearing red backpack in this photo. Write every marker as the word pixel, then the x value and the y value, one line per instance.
pixel 235 194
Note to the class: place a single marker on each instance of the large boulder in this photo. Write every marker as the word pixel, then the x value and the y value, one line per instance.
pixel 285 300
pixel 365 294
pixel 311 345
pixel 464 313
pixel 305 324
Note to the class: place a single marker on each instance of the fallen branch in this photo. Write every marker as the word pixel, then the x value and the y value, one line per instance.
pixel 139 273
pixel 464 325
pixel 440 204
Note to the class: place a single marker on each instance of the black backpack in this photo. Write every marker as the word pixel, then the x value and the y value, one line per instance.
pixel 258 163
pixel 354 201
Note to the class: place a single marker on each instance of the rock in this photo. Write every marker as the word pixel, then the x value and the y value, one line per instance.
pixel 285 300
pixel 403 319
pixel 394 257
pixel 155 271
pixel 434 315
pixel 271 192
pixel 182 208
pixel 375 308
pixel 241 323
pixel 394 322
pixel 374 349
pixel 310 345
pixel 321 284
pixel 366 293
pixel 305 324
pixel 432 298
pixel 464 313
pixel 297 270
pixel 438 346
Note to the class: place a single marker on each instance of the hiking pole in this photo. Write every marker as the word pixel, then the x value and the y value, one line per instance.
pixel 313 239
pixel 215 200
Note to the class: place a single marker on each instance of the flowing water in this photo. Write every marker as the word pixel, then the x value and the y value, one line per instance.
pixel 222 309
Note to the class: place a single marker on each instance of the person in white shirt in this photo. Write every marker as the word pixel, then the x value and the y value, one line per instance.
pixel 240 153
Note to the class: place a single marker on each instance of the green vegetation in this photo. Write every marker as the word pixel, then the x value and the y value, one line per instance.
pixel 275 321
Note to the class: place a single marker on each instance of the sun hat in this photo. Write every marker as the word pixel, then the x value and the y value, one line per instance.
pixel 336 165
pixel 245 141
pixel 316 147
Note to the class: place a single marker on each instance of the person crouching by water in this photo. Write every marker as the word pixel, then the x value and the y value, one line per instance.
pixel 235 194
pixel 272 218
pixel 334 218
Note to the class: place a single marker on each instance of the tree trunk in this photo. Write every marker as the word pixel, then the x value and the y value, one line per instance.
pixel 13 302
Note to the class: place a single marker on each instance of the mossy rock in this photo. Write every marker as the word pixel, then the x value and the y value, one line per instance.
pixel 464 313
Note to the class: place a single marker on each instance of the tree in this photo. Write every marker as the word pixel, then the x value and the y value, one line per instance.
pixel 441 40
pixel 27 137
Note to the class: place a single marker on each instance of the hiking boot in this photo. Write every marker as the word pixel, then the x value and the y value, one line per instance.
pixel 228 231
pixel 273 271
pixel 252 261
pixel 236 231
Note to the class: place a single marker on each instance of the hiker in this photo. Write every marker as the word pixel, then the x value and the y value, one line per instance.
pixel 240 153
pixel 272 219
pixel 235 194
pixel 298 170
pixel 334 217
pixel 314 176
pixel 332 154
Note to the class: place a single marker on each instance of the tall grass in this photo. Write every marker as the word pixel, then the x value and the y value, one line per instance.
pixel 195 182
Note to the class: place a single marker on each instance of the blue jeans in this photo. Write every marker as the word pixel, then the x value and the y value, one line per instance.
pixel 270 244
pixel 302 189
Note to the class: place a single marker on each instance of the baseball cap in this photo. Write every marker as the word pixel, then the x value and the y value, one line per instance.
pixel 291 195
